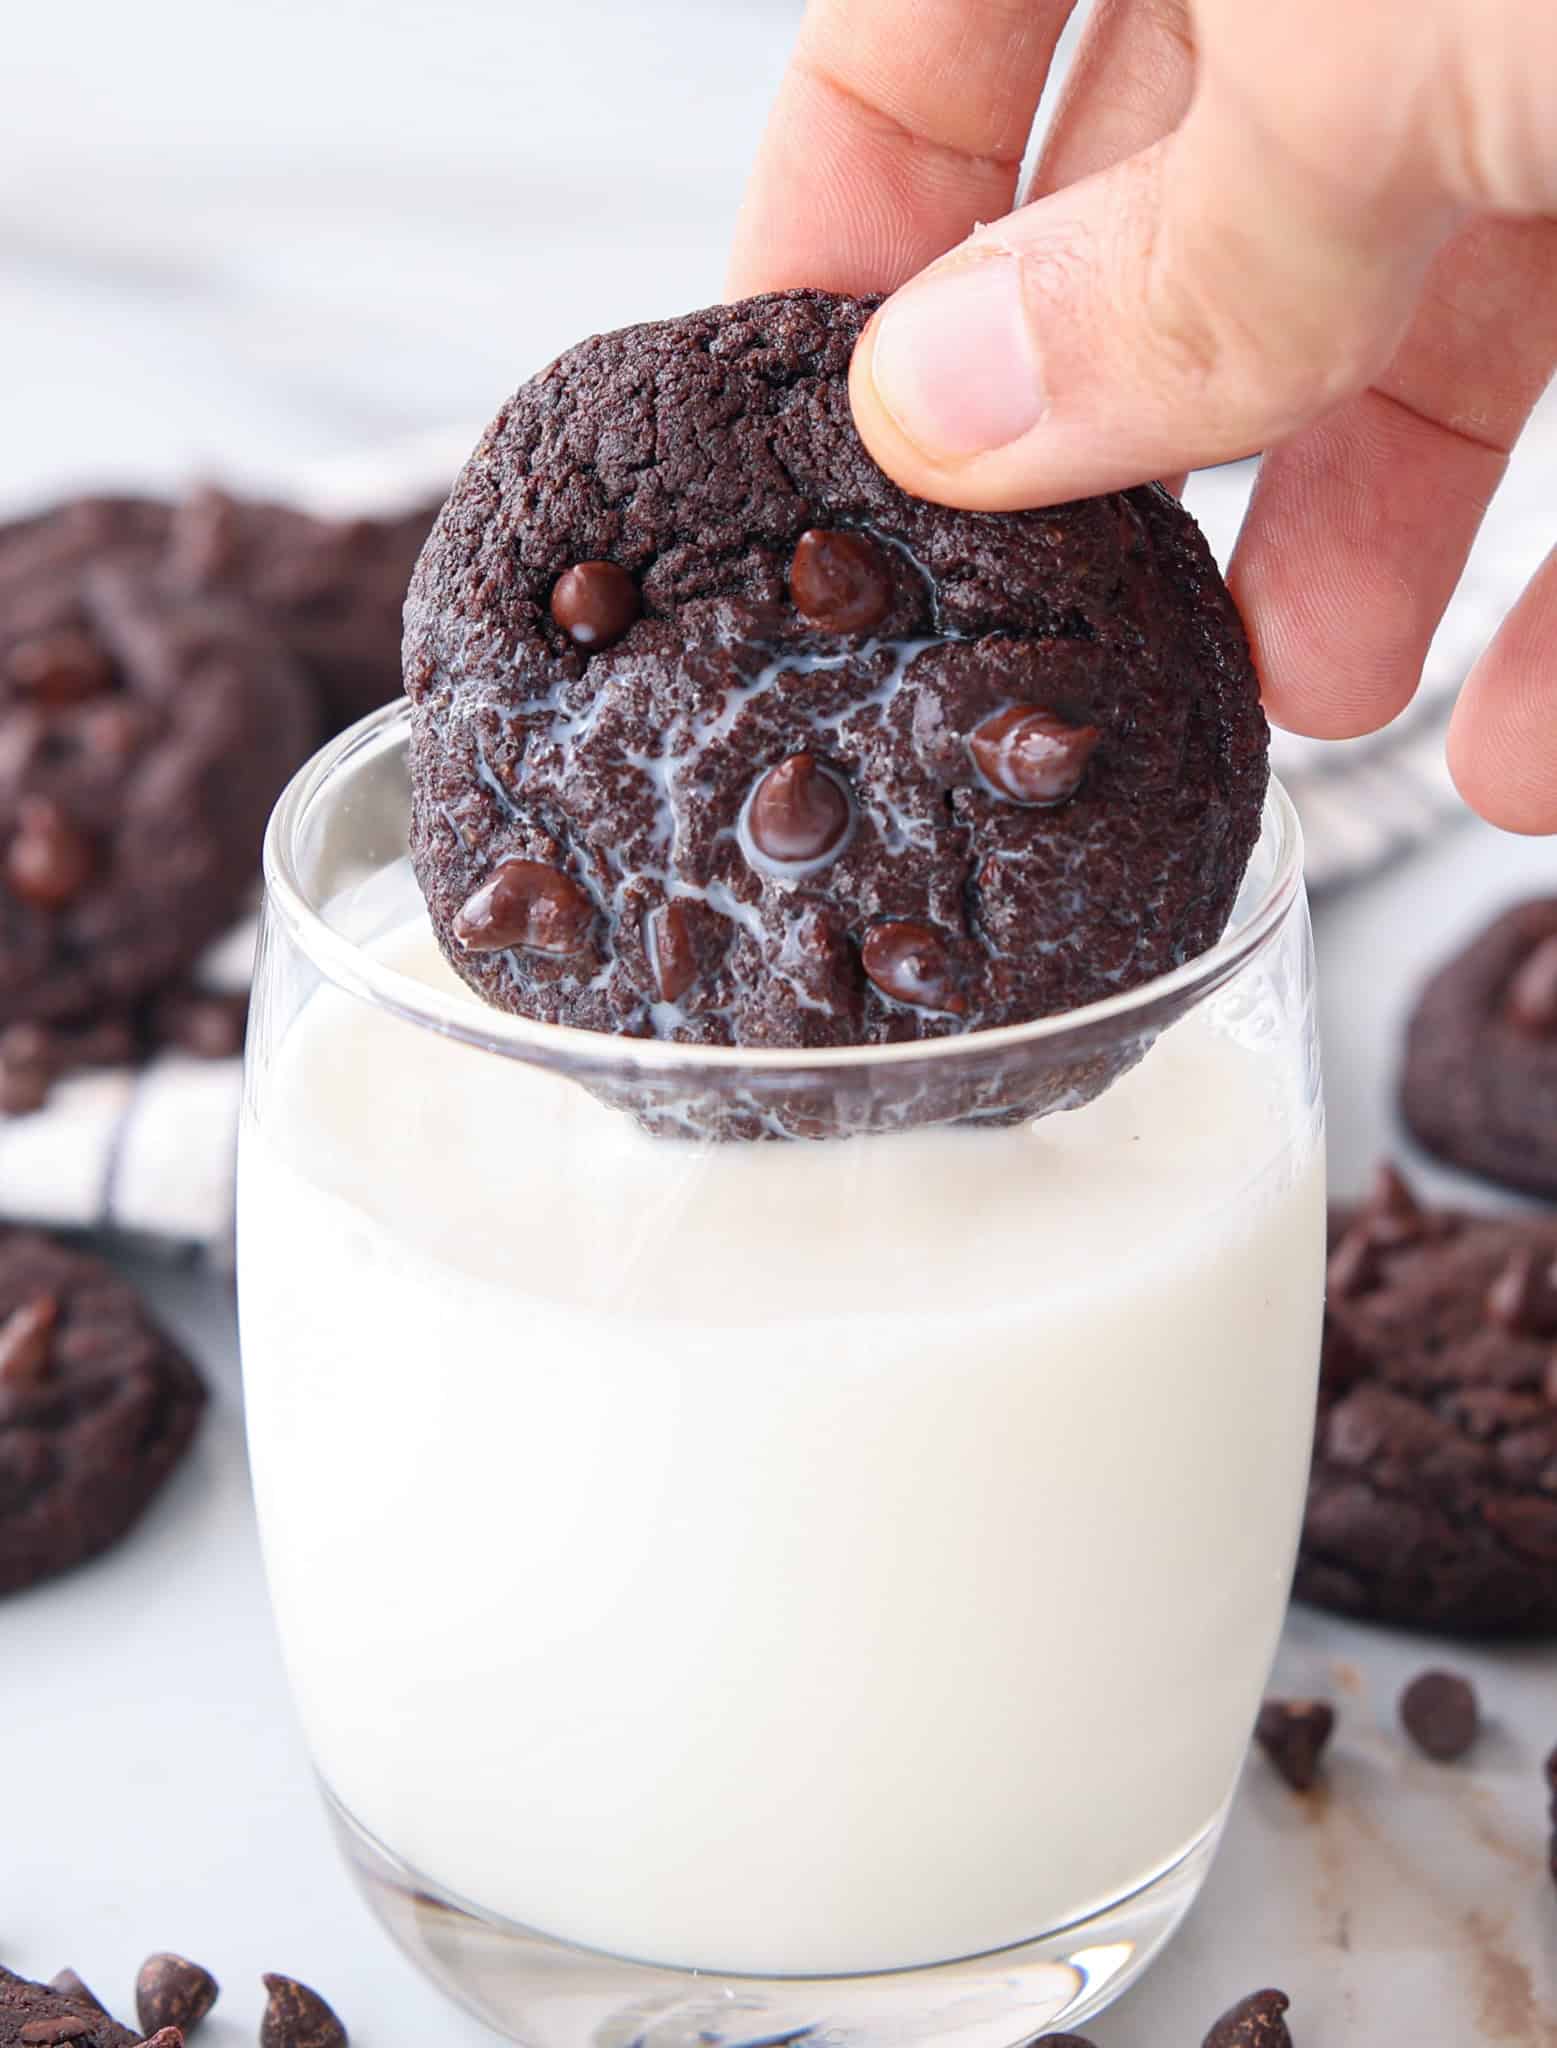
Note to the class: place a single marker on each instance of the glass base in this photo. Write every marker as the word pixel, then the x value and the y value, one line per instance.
pixel 549 1994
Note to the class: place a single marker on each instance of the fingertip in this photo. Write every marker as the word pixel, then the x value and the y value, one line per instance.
pixel 1500 767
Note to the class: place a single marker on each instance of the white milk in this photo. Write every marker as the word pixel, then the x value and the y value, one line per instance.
pixel 785 1558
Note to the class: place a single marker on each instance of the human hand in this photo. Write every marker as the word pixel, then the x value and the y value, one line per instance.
pixel 1322 228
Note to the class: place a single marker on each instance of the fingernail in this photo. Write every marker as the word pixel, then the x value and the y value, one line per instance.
pixel 953 360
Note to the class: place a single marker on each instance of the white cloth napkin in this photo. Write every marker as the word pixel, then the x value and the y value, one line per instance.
pixel 149 1155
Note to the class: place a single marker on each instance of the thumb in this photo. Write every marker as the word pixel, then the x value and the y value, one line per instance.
pixel 1193 304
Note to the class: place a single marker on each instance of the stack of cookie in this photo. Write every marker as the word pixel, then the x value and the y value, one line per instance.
pixel 163 670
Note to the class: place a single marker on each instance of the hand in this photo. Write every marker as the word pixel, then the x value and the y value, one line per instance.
pixel 1323 228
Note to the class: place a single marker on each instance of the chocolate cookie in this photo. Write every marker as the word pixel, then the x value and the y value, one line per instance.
pixel 1433 1499
pixel 720 737
pixel 144 734
pixel 97 1406
pixel 38 2016
pixel 1479 1085
pixel 331 589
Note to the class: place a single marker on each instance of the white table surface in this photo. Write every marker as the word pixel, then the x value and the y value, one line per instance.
pixel 215 257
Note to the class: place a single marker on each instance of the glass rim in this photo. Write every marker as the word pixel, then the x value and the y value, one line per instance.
pixel 348 966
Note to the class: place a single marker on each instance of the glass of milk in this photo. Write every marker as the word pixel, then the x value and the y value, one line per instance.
pixel 743 1591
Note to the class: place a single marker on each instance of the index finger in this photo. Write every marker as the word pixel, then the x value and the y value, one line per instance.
pixel 898 126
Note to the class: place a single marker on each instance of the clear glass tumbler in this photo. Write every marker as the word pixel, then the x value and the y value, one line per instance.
pixel 738 1591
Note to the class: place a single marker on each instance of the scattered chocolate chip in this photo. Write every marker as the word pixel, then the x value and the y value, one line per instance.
pixel 594 603
pixel 1293 1734
pixel 207 1024
pixel 49 862
pixel 22 1089
pixel 69 1985
pixel 1438 1712
pixel 526 903
pixel 1392 1214
pixel 1032 755
pixel 909 962
pixel 296 2017
pixel 171 1991
pixel 797 812
pixel 1523 1297
pixel 1531 1003
pixel 667 939
pixel 26 1339
pixel 47 2033
pixel 1254 2022
pixel 1355 1265
pixel 60 668
pixel 839 581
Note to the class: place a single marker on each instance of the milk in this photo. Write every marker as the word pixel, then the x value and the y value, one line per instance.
pixel 797 1558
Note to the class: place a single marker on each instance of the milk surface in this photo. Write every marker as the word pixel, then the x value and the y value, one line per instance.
pixel 790 1558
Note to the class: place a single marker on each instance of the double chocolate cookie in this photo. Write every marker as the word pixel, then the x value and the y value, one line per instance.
pixel 144 733
pixel 720 737
pixel 1479 1085
pixel 97 1406
pixel 331 589
pixel 1433 1499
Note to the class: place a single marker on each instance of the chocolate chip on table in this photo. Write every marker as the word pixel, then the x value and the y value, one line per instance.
pixel 1254 2022
pixel 296 2017
pixel 839 581
pixel 69 1985
pixel 49 862
pixel 672 955
pixel 1032 755
pixel 1293 1734
pixel 798 812
pixel 1531 1003
pixel 1523 1297
pixel 26 1340
pixel 1438 1711
pixel 594 603
pixel 60 668
pixel 909 962
pixel 171 1991
pixel 529 904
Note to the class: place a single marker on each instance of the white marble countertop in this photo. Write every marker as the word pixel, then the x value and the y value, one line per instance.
pixel 217 258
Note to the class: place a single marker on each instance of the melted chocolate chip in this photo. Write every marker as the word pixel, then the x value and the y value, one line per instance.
pixel 1523 1297
pixel 839 581
pixel 672 956
pixel 296 2017
pixel 171 1991
pixel 1293 1734
pixel 909 962
pixel 1031 755
pixel 528 904
pixel 48 862
pixel 26 1340
pixel 60 668
pixel 594 603
pixel 1531 1003
pixel 798 812
pixel 1438 1711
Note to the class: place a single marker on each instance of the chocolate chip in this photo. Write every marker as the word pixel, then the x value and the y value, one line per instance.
pixel 1531 1002
pixel 1254 2022
pixel 296 2017
pixel 909 962
pixel 22 1089
pixel 70 1986
pixel 526 903
pixel 797 812
pixel 1032 755
pixel 1392 1214
pixel 165 2037
pixel 1523 1297
pixel 208 1025
pixel 839 581
pixel 171 1991
pixel 1438 1712
pixel 48 862
pixel 26 1341
pixel 594 603
pixel 1355 1266
pixel 667 939
pixel 1292 1734
pixel 67 2027
pixel 60 668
